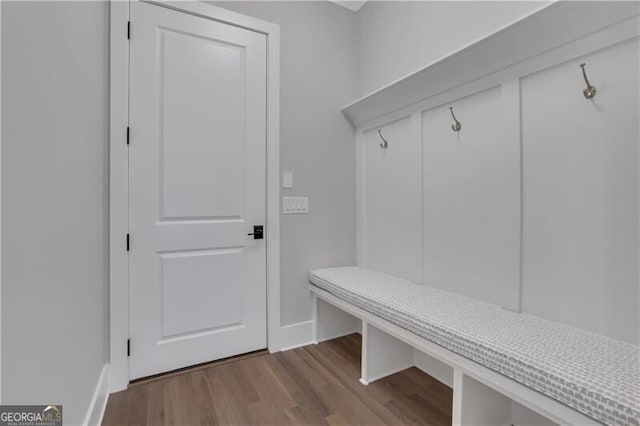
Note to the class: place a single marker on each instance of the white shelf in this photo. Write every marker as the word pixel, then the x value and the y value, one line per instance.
pixel 563 23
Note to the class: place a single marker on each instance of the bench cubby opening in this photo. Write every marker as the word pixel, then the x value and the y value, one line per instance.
pixel 388 348
pixel 331 322
pixel 475 403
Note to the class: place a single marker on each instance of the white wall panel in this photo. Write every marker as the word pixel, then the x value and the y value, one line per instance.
pixel 392 236
pixel 580 193
pixel 534 204
pixel 471 201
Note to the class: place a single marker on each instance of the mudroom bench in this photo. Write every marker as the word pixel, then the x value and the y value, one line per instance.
pixel 503 366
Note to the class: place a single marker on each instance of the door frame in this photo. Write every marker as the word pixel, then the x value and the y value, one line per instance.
pixel 119 175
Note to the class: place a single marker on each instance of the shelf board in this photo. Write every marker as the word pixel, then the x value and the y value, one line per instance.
pixel 562 23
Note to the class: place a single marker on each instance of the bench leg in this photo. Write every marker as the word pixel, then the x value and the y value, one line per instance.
pixel 382 354
pixel 477 404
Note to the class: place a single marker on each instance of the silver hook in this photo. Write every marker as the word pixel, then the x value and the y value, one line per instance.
pixel 384 144
pixel 457 126
pixel 590 91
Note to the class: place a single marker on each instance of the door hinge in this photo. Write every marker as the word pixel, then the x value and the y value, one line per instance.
pixel 128 30
pixel 127 135
pixel 128 244
pixel 128 347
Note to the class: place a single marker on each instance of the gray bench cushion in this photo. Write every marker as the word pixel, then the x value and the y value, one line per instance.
pixel 595 375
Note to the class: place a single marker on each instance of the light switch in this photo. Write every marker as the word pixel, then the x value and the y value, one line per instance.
pixel 295 205
pixel 287 179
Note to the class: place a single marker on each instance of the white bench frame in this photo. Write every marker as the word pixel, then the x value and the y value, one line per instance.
pixel 480 395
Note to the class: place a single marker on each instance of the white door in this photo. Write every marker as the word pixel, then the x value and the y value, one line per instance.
pixel 197 188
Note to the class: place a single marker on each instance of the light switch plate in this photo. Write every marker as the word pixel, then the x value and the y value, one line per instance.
pixel 295 205
pixel 287 179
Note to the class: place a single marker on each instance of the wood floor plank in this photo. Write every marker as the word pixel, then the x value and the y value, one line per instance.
pixel 310 402
pixel 117 411
pixel 373 395
pixel 314 385
pixel 138 410
pixel 349 379
pixel 204 401
pixel 336 420
pixel 229 407
pixel 336 396
pixel 273 399
pixel 155 403
pixel 178 398
pixel 439 415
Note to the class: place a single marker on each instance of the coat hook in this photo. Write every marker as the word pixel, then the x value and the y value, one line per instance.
pixel 590 91
pixel 384 144
pixel 457 126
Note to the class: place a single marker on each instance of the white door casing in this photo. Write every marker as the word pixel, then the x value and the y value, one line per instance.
pixel 197 187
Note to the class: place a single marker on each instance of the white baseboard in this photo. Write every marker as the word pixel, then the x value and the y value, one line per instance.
pixel 339 334
pixel 296 335
pixel 99 400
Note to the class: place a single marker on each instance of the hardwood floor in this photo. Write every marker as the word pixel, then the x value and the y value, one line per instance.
pixel 316 384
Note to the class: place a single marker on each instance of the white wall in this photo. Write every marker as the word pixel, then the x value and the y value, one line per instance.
pixel 54 169
pixel 318 77
pixel 54 202
pixel 396 38
pixel 533 204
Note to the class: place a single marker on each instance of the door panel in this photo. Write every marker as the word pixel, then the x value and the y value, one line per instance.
pixel 214 274
pixel 196 174
pixel 197 187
